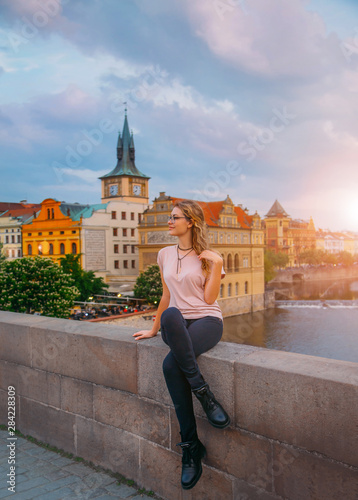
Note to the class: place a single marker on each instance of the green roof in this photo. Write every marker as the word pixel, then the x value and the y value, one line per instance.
pixel 76 210
pixel 125 155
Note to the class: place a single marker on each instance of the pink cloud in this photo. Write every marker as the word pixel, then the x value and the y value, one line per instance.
pixel 271 38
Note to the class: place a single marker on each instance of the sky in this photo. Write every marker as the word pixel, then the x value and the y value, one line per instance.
pixel 255 99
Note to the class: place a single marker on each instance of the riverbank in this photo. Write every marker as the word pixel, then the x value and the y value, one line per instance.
pixel 319 273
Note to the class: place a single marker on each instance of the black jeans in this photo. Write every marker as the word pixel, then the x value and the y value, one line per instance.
pixel 187 339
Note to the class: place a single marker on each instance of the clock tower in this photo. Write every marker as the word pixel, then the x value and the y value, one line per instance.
pixel 125 182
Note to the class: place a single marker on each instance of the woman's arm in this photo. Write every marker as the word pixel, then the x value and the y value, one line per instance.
pixel 163 305
pixel 212 285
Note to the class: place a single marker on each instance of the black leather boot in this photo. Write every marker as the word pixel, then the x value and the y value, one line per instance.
pixel 216 414
pixel 193 452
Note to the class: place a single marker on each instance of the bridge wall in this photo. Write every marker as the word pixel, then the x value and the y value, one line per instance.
pixel 316 274
pixel 92 390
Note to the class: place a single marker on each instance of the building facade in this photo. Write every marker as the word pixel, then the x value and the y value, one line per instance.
pixel 286 235
pixel 11 222
pixel 235 234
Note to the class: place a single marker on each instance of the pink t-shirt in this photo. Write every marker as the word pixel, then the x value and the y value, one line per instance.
pixel 187 288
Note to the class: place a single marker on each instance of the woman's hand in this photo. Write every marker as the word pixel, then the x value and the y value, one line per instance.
pixel 212 257
pixel 144 334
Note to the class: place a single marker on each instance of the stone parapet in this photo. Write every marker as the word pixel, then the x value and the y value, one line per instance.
pixel 92 390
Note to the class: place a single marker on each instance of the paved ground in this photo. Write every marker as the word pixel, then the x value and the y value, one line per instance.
pixel 45 475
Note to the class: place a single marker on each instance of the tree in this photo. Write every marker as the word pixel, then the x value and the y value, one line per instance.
pixel 86 281
pixel 345 258
pixel 2 255
pixel 36 284
pixel 270 272
pixel 149 285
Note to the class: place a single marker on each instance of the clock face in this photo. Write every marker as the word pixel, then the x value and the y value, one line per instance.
pixel 113 189
pixel 137 189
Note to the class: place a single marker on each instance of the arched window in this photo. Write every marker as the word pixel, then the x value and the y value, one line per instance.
pixel 236 262
pixel 62 249
pixel 50 250
pixel 221 290
pixel 246 287
pixel 53 213
pixel 74 248
pixel 29 249
pixel 48 213
pixel 229 290
pixel 236 288
pixel 229 263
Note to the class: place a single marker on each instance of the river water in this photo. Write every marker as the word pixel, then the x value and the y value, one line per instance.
pixel 321 319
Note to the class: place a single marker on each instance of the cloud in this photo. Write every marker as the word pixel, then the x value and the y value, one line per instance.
pixel 272 38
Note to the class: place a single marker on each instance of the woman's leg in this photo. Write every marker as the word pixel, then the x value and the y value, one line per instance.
pixel 187 340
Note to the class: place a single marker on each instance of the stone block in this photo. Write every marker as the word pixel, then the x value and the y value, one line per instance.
pixel 47 424
pixel 108 447
pixel 306 401
pixel 151 382
pixel 299 475
pixel 139 416
pixel 245 491
pixel 87 352
pixel 30 383
pixel 77 396
pixel 238 453
pixel 218 369
pixel 160 470
pixel 213 485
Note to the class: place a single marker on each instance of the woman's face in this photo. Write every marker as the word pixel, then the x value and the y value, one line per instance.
pixel 178 224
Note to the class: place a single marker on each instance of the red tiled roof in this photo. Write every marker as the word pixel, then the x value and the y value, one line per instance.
pixel 244 219
pixel 212 211
pixel 19 212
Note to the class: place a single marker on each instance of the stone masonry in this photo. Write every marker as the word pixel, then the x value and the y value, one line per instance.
pixel 94 391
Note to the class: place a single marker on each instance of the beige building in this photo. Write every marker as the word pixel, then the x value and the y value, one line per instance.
pixel 232 232
pixel 11 222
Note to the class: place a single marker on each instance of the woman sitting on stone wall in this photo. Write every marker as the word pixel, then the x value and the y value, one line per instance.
pixel 191 323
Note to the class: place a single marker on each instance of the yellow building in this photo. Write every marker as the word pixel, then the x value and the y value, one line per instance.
pixel 232 232
pixel 53 233
pixel 286 235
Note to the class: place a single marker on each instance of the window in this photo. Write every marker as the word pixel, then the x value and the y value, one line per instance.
pixel 124 216
pixel 229 290
pixel 125 248
pixel 132 215
pixel 124 231
pixel 19 253
pixel 50 251
pixel 62 232
pixel 62 249
pixel 114 215
pixel 246 287
pixel 221 290
pixel 53 213
pixel 125 264
pixel 29 249
pixel 73 232
pixel 132 232
pixel 133 248
pixel 6 239
pixel 139 218
pixel 116 249
pixel 51 232
pixel 12 239
pixel 116 264
pixel 237 289
pixel 40 234
pixel 133 264
pixel 29 234
pixel 115 231
pixel 39 249
pixel 48 213
pixel 74 248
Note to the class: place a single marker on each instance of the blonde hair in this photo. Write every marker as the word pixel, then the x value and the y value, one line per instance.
pixel 193 211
